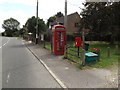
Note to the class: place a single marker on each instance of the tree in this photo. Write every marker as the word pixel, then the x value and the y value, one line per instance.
pixel 21 32
pixel 103 18
pixel 59 14
pixel 51 19
pixel 31 25
pixel 10 26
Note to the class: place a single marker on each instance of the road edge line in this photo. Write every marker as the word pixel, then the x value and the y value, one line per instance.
pixel 5 43
pixel 50 71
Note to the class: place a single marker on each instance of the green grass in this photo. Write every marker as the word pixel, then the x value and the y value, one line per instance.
pixel 20 37
pixel 105 61
pixel 46 45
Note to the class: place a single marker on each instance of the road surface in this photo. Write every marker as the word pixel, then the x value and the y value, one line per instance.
pixel 20 68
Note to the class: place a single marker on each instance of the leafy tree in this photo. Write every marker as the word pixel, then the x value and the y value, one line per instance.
pixel 51 19
pixel 21 32
pixel 31 25
pixel 115 21
pixel 103 18
pixel 59 14
pixel 10 26
pixel 3 33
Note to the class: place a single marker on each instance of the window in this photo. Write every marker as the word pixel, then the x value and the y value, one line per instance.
pixel 77 24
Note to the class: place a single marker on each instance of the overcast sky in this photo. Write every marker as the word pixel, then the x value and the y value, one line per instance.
pixel 24 9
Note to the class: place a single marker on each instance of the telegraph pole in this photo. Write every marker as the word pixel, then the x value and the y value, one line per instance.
pixel 65 24
pixel 36 41
pixel 65 17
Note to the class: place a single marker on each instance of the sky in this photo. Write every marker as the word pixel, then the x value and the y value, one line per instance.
pixel 21 10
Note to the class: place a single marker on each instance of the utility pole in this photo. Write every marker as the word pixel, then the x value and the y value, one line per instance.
pixel 65 24
pixel 83 38
pixel 65 17
pixel 36 41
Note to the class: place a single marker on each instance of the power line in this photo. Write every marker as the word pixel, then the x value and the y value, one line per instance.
pixel 78 6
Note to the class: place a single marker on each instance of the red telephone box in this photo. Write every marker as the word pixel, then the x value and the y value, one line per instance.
pixel 78 41
pixel 58 39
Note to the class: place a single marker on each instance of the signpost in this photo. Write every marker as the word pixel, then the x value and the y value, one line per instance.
pixel 83 45
pixel 83 36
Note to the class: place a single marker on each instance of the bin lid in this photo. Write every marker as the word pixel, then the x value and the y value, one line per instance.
pixel 90 54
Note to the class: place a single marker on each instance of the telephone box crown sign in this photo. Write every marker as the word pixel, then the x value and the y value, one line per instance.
pixel 58 27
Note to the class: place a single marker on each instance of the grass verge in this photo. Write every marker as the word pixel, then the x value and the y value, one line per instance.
pixel 20 37
pixel 104 62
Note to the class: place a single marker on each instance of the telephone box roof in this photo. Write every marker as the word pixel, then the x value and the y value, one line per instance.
pixel 58 26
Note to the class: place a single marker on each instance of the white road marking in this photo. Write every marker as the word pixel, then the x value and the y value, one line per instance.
pixel 50 71
pixel 57 79
pixel 8 77
pixel 30 41
pixel 5 43
pixel 66 68
pixel 23 40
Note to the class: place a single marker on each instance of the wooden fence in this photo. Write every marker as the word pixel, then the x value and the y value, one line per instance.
pixel 79 54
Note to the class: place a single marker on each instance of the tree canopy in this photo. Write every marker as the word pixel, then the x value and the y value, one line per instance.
pixel 59 14
pixel 32 23
pixel 103 18
pixel 10 26
pixel 53 18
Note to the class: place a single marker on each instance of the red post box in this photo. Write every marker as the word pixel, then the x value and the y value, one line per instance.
pixel 78 41
pixel 58 39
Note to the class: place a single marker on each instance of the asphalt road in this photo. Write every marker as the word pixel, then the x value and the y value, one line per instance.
pixel 20 68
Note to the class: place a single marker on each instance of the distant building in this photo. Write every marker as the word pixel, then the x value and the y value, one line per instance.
pixel 73 21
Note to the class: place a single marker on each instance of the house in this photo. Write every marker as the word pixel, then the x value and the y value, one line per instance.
pixel 72 22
